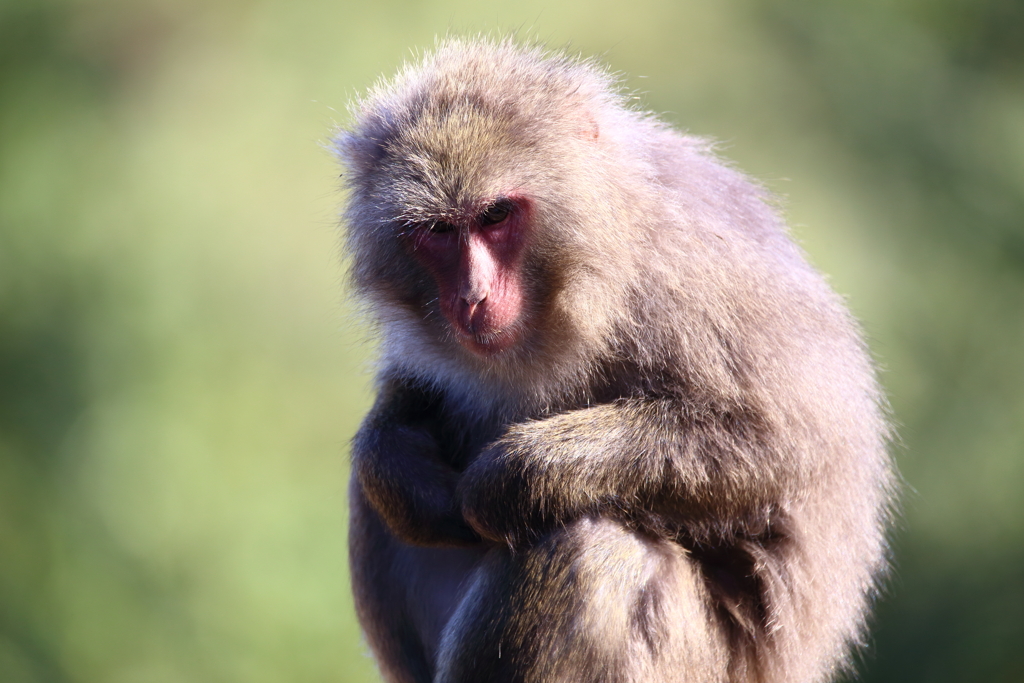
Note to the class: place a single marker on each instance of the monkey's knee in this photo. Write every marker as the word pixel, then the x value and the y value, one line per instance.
pixel 591 602
pixel 645 613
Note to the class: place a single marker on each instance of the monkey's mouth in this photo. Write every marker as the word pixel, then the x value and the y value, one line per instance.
pixel 489 341
pixel 486 330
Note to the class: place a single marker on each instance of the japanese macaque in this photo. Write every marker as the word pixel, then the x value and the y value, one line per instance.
pixel 623 432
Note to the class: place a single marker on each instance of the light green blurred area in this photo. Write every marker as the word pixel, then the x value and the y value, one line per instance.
pixel 180 369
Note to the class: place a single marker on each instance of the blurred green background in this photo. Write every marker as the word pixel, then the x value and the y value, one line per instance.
pixel 180 371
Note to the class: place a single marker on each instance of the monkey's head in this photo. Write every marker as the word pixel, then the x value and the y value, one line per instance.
pixel 487 216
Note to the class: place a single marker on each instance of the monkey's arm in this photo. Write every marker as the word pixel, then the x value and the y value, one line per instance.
pixel 645 460
pixel 396 457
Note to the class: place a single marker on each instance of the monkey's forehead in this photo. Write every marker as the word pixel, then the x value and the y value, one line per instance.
pixel 430 188
pixel 457 157
pixel 462 127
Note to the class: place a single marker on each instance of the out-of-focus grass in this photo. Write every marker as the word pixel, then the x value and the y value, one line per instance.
pixel 180 370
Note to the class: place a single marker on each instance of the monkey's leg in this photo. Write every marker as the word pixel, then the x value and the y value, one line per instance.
pixel 404 594
pixel 591 602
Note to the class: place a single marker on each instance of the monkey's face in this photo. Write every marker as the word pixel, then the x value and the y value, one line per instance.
pixel 474 221
pixel 476 261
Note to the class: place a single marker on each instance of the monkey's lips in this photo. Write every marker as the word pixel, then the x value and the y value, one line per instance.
pixel 488 344
pixel 484 335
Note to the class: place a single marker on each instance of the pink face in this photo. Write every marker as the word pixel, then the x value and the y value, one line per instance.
pixel 476 263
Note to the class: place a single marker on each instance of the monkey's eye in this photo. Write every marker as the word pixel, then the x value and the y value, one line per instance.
pixel 496 212
pixel 440 228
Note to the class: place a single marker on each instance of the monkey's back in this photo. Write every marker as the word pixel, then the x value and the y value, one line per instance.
pixel 761 336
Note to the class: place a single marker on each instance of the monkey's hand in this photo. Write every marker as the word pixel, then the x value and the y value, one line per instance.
pixel 397 461
pixel 495 502
pixel 544 473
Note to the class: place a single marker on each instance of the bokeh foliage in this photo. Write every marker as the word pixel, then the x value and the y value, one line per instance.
pixel 180 370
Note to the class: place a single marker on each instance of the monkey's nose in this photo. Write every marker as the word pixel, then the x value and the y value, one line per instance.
pixel 473 296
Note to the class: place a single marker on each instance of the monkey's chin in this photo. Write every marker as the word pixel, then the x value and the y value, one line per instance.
pixel 487 344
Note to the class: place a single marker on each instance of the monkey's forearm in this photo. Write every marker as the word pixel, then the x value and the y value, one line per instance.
pixel 630 457
pixel 409 486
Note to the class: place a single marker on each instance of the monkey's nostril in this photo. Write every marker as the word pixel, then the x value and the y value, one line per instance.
pixel 468 310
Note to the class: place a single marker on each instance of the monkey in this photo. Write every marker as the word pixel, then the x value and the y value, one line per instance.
pixel 623 430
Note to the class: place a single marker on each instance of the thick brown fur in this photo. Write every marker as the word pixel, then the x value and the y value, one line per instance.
pixel 677 473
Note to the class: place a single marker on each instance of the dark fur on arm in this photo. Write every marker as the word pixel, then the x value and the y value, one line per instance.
pixel 398 457
pixel 655 463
